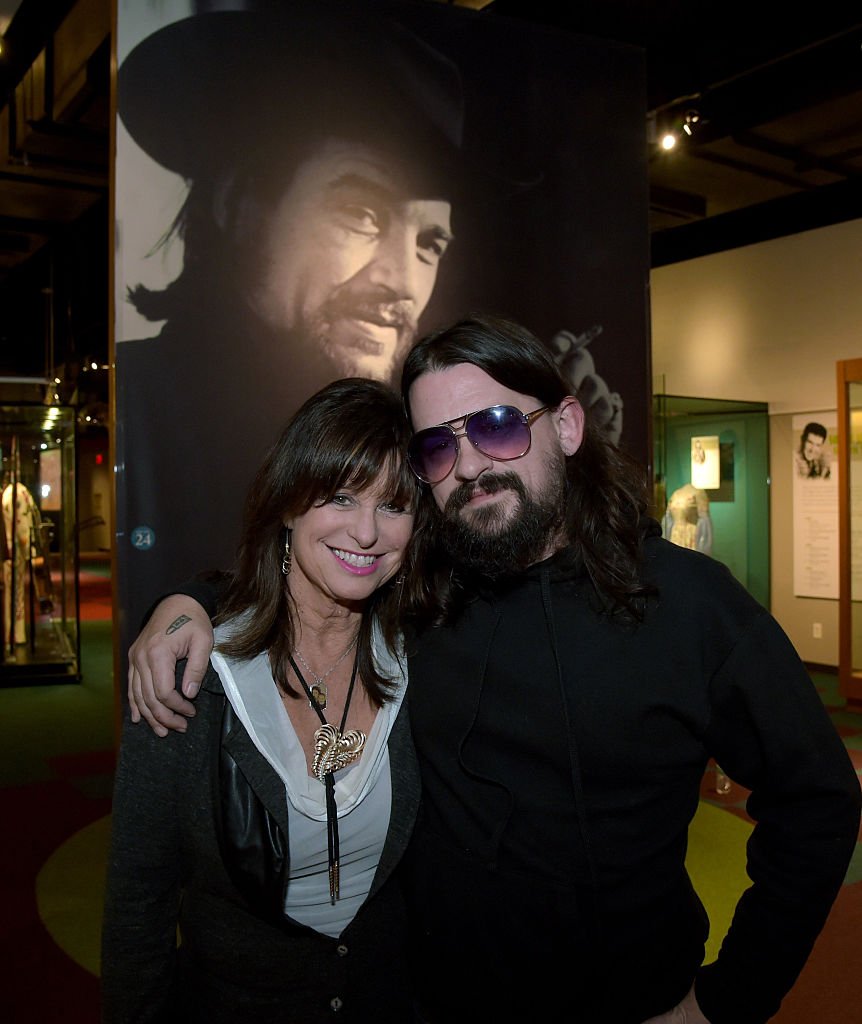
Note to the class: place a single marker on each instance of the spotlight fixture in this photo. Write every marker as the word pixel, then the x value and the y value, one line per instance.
pixel 690 122
pixel 668 140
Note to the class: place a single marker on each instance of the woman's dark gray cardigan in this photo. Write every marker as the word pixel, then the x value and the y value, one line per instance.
pixel 166 869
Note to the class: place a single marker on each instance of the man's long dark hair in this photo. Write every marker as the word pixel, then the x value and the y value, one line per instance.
pixel 350 434
pixel 606 496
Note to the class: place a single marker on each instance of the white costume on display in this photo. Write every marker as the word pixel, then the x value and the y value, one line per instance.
pixel 686 521
pixel 27 522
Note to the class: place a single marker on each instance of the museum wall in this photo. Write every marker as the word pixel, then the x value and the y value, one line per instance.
pixel 767 323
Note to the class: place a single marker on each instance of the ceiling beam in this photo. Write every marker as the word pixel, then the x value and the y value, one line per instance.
pixel 802 211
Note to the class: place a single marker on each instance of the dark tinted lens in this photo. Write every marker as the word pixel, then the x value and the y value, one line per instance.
pixel 500 432
pixel 431 453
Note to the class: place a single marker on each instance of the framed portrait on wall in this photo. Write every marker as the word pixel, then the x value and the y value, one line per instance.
pixel 705 462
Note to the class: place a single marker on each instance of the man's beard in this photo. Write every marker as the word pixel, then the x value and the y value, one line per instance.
pixel 381 310
pixel 497 542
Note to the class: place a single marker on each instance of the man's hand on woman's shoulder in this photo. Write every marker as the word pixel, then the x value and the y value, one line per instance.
pixel 178 628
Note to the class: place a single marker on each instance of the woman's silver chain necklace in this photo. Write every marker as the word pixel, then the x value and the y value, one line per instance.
pixel 318 690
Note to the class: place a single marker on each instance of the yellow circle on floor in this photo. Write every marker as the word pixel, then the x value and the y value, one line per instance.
pixel 70 893
pixel 716 863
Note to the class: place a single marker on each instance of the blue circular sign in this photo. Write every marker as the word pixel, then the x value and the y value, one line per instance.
pixel 143 538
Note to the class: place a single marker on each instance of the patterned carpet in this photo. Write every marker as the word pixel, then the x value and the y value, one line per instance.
pixel 55 782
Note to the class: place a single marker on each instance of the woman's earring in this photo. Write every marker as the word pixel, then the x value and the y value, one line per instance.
pixel 285 562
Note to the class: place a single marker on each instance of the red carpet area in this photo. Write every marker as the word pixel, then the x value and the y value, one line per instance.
pixel 95 595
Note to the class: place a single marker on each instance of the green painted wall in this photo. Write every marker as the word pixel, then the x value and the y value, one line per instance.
pixel 739 509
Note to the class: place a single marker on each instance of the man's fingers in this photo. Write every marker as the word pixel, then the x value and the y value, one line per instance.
pixel 196 665
pixel 153 696
pixel 165 712
pixel 160 688
pixel 137 704
pixel 178 629
pixel 156 697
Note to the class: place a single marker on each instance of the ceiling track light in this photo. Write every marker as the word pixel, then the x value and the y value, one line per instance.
pixel 678 121
pixel 690 122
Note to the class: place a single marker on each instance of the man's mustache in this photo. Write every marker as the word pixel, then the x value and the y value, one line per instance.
pixel 379 308
pixel 488 483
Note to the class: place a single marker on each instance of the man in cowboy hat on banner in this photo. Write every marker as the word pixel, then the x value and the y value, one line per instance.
pixel 330 153
pixel 322 147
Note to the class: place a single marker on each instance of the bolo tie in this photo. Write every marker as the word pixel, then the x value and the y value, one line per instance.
pixel 333 749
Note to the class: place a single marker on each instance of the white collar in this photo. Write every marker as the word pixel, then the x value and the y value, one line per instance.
pixel 251 690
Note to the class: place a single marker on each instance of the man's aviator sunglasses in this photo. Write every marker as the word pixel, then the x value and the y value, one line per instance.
pixel 501 432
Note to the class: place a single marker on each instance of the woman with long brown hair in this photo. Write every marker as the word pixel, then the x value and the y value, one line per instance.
pixel 277 872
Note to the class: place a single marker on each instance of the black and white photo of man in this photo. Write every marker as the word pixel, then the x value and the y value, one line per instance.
pixel 354 174
pixel 813 458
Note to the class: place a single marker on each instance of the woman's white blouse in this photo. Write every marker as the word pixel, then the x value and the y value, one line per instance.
pixel 362 790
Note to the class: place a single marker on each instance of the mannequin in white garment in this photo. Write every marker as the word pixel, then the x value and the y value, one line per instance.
pixel 687 521
pixel 25 523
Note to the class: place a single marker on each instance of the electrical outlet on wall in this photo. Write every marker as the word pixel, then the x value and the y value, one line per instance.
pixel 817 630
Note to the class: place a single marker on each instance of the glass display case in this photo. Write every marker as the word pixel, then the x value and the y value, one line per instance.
pixel 39 612
pixel 711 482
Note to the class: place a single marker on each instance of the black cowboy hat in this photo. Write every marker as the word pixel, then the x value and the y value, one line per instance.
pixel 198 91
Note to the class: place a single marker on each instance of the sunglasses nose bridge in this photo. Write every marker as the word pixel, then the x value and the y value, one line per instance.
pixel 458 434
pixel 465 422
pixel 471 460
